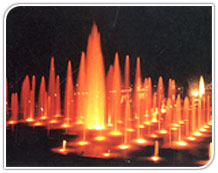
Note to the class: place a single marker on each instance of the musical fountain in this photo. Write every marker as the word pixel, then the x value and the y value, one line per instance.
pixel 111 119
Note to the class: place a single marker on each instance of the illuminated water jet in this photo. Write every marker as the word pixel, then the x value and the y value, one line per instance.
pixel 81 91
pixel 116 94
pixel 69 98
pixel 155 158
pixel 95 79
pixel 14 109
pixel 57 98
pixel 51 90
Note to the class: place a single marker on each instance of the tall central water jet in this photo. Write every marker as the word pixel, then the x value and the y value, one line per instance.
pixel 95 82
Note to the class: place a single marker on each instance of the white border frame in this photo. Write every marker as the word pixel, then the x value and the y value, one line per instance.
pixel 111 4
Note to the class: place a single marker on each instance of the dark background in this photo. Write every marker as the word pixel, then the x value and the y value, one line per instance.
pixel 174 42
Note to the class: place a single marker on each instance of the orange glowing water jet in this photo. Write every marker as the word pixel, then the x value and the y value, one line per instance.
pixel 25 94
pixel 14 109
pixel 41 100
pixel 57 98
pixel 178 108
pixel 96 101
pixel 32 100
pixel 116 94
pixel 81 91
pixel 127 71
pixel 137 100
pixel 148 98
pixel 51 90
pixel 160 92
pixel 201 101
pixel 155 158
pixel 186 115
pixel 69 97
pixel 63 149
pixel 109 96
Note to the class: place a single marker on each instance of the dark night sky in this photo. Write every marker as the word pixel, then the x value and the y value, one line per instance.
pixel 171 41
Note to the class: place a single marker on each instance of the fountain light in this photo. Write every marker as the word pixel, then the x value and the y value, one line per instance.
pixel 155 158
pixel 175 125
pixel 53 121
pixel 96 128
pixel 191 138
pixel 79 122
pixel 11 122
pixel 206 126
pixel 64 143
pixel 140 141
pixel 63 150
pixel 100 138
pixel 65 125
pixel 163 110
pixel 83 143
pixel 43 117
pixel 162 131
pixel 106 154
pixel 130 130
pixel 58 115
pixel 109 124
pixel 115 133
pixel 29 119
pixel 38 124
pixel 202 130
pixel 124 146
pixel 181 143
pixel 197 133
pixel 153 135
pixel 148 123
